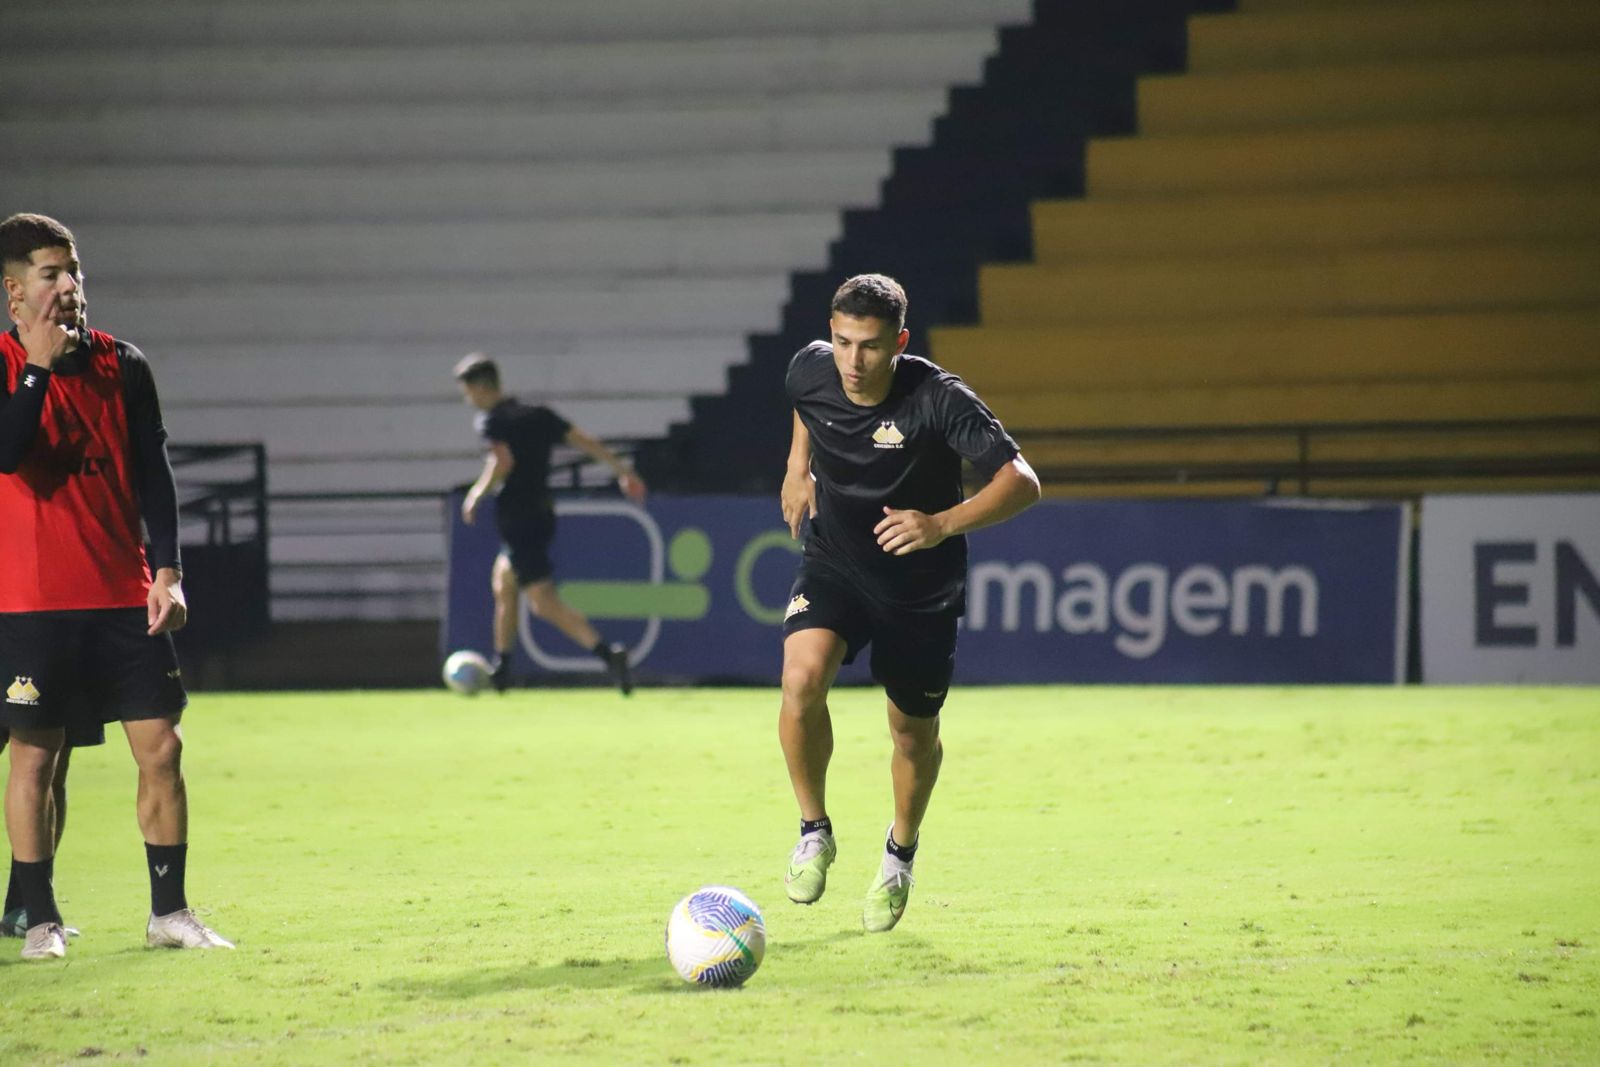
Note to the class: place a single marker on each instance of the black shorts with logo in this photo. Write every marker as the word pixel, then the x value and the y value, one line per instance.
pixel 526 534
pixel 82 669
pixel 913 652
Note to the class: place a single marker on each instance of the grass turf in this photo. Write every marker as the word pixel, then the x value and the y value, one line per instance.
pixel 1107 875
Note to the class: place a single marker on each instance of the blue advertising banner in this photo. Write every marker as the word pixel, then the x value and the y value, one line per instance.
pixel 1160 591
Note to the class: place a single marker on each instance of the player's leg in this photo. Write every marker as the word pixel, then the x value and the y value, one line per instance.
pixel 14 919
pixel 38 651
pixel 811 660
pixel 546 604
pixel 140 684
pixel 163 813
pixel 914 769
pixel 503 583
pixel 915 661
pixel 30 820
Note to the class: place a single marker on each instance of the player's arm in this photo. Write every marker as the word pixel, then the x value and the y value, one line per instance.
pixel 167 609
pixel 627 479
pixel 1013 489
pixel 19 416
pixel 799 493
pixel 45 342
pixel 496 468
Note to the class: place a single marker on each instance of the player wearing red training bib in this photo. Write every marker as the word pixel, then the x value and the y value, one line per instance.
pixel 85 617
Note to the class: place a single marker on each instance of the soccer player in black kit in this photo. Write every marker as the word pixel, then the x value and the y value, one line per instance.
pixel 875 462
pixel 520 437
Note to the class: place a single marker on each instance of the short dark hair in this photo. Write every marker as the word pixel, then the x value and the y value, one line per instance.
pixel 24 234
pixel 875 296
pixel 476 368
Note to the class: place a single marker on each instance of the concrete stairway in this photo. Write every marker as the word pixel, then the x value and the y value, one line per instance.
pixel 304 212
pixel 1344 212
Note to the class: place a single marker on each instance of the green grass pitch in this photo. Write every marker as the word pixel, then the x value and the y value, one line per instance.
pixel 1140 876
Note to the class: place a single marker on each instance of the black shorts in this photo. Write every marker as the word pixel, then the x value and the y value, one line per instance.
pixel 526 536
pixel 913 652
pixel 82 669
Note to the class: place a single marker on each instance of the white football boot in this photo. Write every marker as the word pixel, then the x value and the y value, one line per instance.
pixel 180 929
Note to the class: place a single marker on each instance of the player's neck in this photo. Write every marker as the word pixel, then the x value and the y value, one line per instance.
pixel 871 398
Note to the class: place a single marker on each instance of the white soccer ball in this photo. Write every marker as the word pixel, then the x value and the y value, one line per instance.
pixel 716 937
pixel 466 672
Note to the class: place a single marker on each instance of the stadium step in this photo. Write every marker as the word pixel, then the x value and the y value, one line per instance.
pixel 164 23
pixel 1416 347
pixel 546 365
pixel 1294 38
pixel 523 133
pixel 376 430
pixel 1306 160
pixel 1072 231
pixel 496 74
pixel 1274 404
pixel 552 252
pixel 1457 278
pixel 436 190
pixel 453 313
pixel 1478 87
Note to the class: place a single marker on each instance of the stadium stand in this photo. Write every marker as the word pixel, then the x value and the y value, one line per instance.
pixel 963 199
pixel 305 212
pixel 1353 250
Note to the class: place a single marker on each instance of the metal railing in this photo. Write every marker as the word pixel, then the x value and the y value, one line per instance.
pixel 1304 467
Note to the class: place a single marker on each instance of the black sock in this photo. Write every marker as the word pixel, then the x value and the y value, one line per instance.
pixel 166 878
pixel 811 826
pixel 602 650
pixel 903 853
pixel 13 894
pixel 38 895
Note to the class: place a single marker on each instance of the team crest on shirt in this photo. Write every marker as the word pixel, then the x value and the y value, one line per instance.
pixel 887 435
pixel 22 691
pixel 796 606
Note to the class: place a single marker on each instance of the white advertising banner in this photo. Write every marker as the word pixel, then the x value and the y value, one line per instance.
pixel 1511 588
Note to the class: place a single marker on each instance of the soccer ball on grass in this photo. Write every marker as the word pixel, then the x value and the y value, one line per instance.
pixel 466 672
pixel 716 937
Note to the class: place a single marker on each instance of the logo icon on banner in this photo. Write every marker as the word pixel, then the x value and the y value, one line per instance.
pixel 650 599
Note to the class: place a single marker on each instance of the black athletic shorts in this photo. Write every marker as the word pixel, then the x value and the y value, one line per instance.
pixel 82 669
pixel 526 535
pixel 913 652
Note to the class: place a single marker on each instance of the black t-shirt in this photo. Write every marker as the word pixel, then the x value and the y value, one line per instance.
pixel 904 453
pixel 530 432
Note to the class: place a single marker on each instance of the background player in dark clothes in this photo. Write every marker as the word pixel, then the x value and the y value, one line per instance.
pixel 520 437
pixel 85 626
pixel 875 463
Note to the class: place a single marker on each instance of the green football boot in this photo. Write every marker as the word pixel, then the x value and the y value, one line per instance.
pixel 888 895
pixel 808 867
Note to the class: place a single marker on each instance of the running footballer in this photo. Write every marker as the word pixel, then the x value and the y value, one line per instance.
pixel 876 464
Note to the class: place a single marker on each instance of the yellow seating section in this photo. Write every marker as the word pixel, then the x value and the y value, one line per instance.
pixel 1347 211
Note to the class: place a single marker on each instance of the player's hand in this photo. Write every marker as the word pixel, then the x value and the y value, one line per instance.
pixel 469 508
pixel 900 532
pixel 632 487
pixel 44 337
pixel 799 498
pixel 167 610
